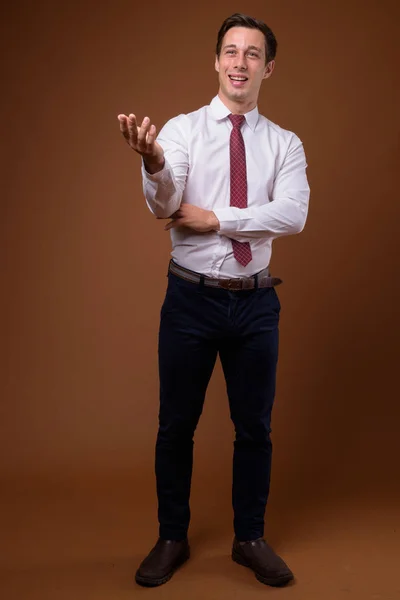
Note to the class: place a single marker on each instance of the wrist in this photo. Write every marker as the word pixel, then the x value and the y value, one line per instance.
pixel 153 165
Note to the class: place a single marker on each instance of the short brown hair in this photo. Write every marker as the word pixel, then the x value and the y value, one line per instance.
pixel 239 20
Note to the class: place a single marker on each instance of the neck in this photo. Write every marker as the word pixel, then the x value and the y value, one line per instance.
pixel 237 107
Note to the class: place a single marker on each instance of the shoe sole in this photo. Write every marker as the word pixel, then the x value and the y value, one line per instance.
pixel 272 581
pixel 148 582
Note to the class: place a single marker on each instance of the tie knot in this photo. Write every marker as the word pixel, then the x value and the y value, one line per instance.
pixel 237 120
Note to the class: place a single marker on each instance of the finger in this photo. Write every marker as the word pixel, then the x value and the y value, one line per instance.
pixel 123 126
pixel 142 134
pixel 151 136
pixel 172 224
pixel 132 129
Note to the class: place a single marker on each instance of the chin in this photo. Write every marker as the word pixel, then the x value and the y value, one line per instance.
pixel 238 95
pixel 233 94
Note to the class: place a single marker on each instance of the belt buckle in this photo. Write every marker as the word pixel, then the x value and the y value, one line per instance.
pixel 227 284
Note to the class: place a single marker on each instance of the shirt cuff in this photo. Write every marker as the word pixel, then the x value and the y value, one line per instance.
pixel 228 222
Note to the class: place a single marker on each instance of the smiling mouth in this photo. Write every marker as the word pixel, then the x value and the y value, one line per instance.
pixel 238 78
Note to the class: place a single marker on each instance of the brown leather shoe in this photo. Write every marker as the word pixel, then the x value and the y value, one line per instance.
pixel 268 567
pixel 162 562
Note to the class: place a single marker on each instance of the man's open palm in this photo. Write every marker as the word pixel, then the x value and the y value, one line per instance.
pixel 141 139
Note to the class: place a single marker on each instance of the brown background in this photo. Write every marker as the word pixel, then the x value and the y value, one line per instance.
pixel 84 264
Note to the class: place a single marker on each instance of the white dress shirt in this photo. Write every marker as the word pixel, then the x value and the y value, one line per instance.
pixel 197 171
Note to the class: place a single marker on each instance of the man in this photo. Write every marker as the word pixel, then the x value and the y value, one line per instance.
pixel 230 181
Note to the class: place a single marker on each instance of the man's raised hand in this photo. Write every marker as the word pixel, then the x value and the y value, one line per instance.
pixel 143 140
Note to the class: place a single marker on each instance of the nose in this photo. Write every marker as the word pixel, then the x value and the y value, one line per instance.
pixel 240 62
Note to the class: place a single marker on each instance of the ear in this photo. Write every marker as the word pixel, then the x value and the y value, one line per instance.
pixel 269 67
pixel 216 64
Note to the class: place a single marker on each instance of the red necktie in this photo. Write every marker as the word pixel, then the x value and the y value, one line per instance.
pixel 241 250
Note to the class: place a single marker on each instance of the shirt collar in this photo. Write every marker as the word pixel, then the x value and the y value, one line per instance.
pixel 220 111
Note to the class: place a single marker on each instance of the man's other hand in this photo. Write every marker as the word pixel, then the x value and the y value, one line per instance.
pixel 195 218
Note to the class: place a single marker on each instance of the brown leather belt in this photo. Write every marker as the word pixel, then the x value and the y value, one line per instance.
pixel 258 280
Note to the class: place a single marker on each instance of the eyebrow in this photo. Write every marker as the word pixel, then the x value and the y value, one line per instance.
pixel 249 48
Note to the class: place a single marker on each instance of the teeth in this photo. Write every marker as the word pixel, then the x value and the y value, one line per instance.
pixel 239 78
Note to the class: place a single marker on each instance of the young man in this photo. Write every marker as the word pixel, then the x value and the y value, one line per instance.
pixel 230 181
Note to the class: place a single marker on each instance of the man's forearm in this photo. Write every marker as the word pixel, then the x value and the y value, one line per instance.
pixel 162 192
pixel 285 216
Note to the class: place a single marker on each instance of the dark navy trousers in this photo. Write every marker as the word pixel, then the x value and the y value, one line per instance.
pixel 197 324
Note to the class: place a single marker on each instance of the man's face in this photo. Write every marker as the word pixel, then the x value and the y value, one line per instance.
pixel 242 65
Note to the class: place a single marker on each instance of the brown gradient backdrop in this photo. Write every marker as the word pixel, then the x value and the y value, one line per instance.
pixel 84 262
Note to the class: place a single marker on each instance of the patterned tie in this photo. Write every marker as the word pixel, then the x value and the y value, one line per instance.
pixel 241 250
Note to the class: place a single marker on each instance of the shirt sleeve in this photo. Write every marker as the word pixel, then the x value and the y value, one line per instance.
pixel 163 190
pixel 287 211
